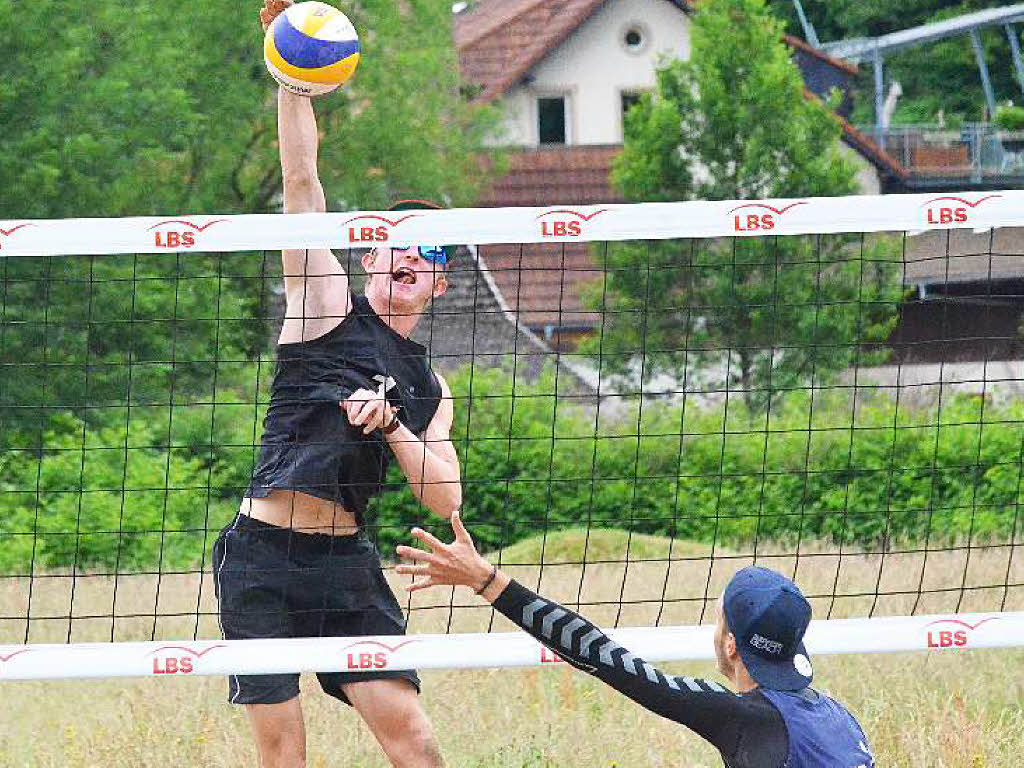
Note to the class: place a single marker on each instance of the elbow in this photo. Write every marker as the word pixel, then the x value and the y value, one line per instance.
pixel 455 502
pixel 447 503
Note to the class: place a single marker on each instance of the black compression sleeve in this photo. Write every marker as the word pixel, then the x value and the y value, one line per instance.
pixel 747 729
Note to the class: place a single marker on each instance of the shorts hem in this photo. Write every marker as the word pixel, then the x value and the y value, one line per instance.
pixel 278 695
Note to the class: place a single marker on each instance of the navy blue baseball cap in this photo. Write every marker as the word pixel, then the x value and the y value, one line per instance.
pixel 768 615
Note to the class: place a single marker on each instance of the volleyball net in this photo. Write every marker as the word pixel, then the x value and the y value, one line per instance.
pixel 647 398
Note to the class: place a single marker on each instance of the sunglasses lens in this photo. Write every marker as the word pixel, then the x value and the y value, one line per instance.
pixel 433 253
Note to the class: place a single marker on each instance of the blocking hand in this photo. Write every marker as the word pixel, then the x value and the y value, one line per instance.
pixel 457 563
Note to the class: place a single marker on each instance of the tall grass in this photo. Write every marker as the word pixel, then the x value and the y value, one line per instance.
pixel 958 709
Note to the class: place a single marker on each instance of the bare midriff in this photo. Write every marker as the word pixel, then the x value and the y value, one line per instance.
pixel 301 512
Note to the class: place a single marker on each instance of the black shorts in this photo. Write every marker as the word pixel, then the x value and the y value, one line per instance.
pixel 275 582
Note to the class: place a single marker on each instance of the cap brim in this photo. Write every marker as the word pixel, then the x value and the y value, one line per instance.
pixel 784 675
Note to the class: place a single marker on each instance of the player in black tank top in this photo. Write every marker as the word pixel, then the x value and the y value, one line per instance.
pixel 308 444
pixel 351 392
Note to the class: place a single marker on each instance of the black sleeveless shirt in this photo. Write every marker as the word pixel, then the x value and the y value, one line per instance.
pixel 308 444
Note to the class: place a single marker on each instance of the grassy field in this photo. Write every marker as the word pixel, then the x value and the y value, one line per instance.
pixel 954 710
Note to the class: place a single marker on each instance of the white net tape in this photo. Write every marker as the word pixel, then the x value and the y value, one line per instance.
pixel 483 226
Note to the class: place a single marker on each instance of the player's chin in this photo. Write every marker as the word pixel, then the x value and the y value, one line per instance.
pixel 411 294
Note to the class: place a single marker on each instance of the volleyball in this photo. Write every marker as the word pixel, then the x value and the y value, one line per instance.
pixel 311 48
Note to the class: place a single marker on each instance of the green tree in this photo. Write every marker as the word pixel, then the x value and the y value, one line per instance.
pixel 734 123
pixel 935 77
pixel 161 109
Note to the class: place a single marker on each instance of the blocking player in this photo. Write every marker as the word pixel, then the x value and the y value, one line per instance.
pixel 351 391
pixel 774 720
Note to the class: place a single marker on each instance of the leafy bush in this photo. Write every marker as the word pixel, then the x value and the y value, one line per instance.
pixel 1009 118
pixel 138 498
pixel 821 469
pixel 868 475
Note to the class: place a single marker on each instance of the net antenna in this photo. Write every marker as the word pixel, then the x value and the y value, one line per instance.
pixel 648 397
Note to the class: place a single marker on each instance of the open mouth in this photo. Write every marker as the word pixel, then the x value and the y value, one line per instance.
pixel 404 276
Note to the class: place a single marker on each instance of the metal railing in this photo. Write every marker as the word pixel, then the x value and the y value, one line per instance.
pixel 975 151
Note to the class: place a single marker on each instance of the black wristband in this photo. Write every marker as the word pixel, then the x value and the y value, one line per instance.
pixel 494 572
pixel 392 427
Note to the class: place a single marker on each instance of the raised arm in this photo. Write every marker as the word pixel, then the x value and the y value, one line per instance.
pixel 316 286
pixel 746 729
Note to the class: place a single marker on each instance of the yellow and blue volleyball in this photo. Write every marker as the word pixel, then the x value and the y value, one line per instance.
pixel 311 48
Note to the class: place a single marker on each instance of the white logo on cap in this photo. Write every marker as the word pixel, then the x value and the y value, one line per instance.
pixel 802 664
pixel 773 647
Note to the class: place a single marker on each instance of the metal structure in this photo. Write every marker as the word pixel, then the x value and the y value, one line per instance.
pixel 875 49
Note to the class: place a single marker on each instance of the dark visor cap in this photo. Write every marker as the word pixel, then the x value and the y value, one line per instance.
pixel 425 205
pixel 768 615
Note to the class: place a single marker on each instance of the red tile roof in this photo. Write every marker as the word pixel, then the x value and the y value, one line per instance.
pixel 574 175
pixel 498 54
pixel 542 282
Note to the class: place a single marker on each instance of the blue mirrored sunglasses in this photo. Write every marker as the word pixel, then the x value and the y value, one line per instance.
pixel 435 254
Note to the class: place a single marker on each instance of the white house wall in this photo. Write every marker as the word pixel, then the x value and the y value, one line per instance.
pixel 593 67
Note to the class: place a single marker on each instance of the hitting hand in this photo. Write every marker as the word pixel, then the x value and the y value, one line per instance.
pixel 271 10
pixel 369 410
pixel 456 564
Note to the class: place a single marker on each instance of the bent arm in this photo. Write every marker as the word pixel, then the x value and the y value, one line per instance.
pixel 316 286
pixel 431 465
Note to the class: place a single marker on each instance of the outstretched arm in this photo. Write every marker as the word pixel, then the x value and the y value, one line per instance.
pixel 734 724
pixel 316 286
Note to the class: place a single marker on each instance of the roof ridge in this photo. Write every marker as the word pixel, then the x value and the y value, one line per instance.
pixel 803 45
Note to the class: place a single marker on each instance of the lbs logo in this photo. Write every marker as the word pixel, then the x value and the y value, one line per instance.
pixel 952 211
pixel 5 233
pixel 947 635
pixel 565 222
pixel 368 659
pixel 178 659
pixel 7 654
pixel 547 656
pixel 372 229
pixel 759 217
pixel 179 233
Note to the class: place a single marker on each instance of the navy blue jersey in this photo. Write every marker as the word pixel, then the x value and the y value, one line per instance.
pixel 821 732
pixel 308 444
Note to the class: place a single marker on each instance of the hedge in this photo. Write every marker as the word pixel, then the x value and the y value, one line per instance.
pixel 820 469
